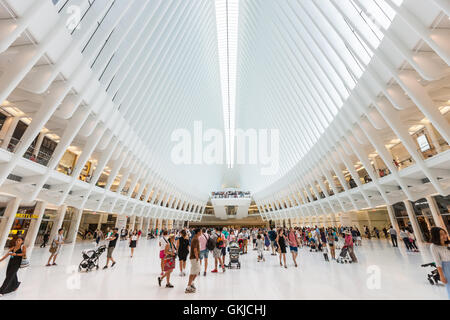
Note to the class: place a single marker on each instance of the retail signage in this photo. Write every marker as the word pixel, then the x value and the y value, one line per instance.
pixel 26 216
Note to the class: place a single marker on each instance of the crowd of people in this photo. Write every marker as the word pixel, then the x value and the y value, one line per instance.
pixel 200 245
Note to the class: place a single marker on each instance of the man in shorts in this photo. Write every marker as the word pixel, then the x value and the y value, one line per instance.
pixel 293 245
pixel 246 238
pixel 203 239
pixel 111 246
pixel 226 237
pixel 194 258
pixel 217 252
pixel 272 237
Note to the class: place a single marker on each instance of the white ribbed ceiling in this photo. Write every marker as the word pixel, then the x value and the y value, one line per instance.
pixel 298 62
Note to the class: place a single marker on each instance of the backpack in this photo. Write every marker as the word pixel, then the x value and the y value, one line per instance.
pixel 210 245
pixel 219 242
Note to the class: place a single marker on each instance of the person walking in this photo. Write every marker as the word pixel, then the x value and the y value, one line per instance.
pixel 281 242
pixel 98 236
pixel 226 240
pixel 133 242
pixel 194 259
pixel 293 245
pixel 203 239
pixel 393 233
pixel 45 239
pixel 260 247
pixel 17 253
pixel 412 240
pixel 55 247
pixel 111 246
pixel 404 236
pixel 162 245
pixel 440 251
pixel 272 237
pixel 348 243
pixel 170 253
pixel 183 250
pixel 217 237
pixel 331 236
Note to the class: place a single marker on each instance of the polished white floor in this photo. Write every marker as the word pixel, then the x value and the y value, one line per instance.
pixel 401 277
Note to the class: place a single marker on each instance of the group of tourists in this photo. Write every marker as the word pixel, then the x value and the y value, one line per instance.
pixel 198 244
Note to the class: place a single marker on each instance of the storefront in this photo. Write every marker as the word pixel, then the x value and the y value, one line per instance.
pixel 443 204
pixel 47 223
pixel 424 217
pixel 68 217
pixel 21 224
pixel 401 215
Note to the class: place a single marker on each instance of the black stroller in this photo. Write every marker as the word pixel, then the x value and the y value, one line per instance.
pixel 91 258
pixel 344 256
pixel 234 250
pixel 433 276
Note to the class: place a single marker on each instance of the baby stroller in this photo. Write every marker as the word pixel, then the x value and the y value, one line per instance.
pixel 433 276
pixel 344 256
pixel 91 258
pixel 234 250
pixel 312 245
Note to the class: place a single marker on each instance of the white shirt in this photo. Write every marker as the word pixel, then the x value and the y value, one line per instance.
pixel 163 242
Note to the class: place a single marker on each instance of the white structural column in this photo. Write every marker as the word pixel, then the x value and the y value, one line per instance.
pixel 34 226
pixel 8 220
pixel 132 222
pixel 57 224
pixel 413 220
pixel 392 217
pixel 435 212
pixel 38 145
pixel 8 129
pixel 74 225
pixel 100 220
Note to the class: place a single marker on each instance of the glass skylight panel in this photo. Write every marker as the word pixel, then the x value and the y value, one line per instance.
pixel 227 18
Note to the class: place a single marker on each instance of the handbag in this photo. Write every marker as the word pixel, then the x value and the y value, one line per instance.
pixel 169 263
pixel 25 263
pixel 53 247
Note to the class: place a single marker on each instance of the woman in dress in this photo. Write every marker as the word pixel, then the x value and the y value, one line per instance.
pixel 16 254
pixel 281 242
pixel 170 253
pixel 133 242
pixel 183 251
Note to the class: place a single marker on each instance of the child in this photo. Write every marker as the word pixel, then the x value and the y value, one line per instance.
pixel 260 248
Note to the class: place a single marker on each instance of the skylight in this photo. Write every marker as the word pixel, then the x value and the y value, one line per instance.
pixel 227 17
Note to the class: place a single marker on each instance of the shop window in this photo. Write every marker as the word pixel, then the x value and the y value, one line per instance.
pixel 21 224
pixel 424 218
pixel 443 204
pixel 401 157
pixel 401 215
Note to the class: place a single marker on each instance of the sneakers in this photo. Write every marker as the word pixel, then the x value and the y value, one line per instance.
pixel 113 264
pixel 105 267
pixel 190 290
pixel 214 271
pixel 169 285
